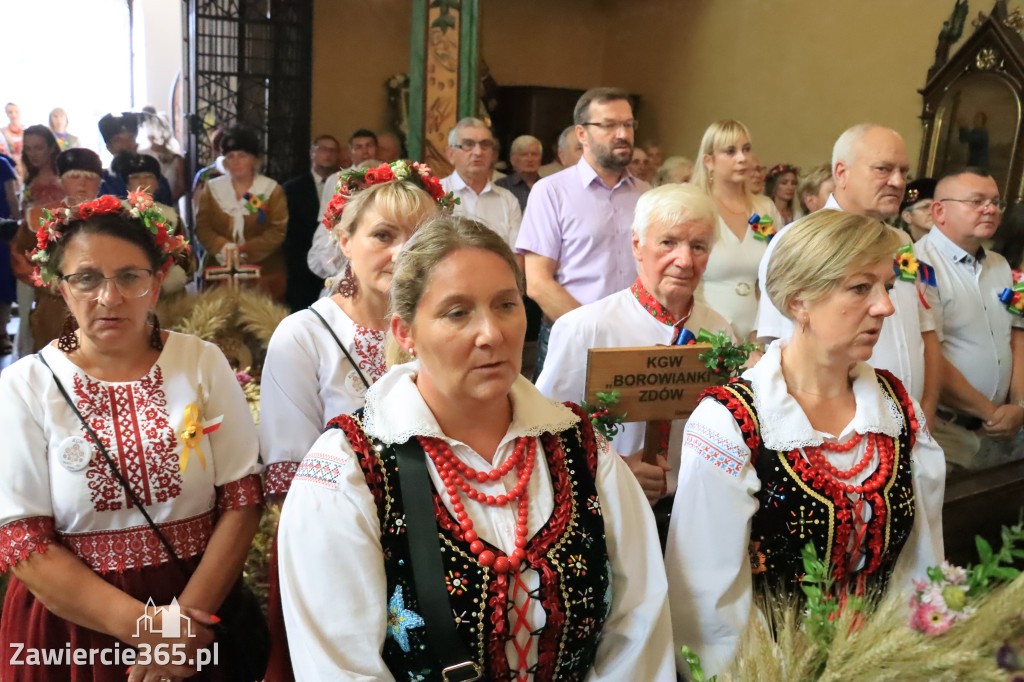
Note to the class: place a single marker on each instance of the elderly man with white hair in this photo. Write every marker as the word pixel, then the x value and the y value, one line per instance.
pixel 524 155
pixel 673 232
pixel 870 166
pixel 473 150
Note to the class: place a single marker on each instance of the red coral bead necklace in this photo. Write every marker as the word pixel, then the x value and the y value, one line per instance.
pixel 456 475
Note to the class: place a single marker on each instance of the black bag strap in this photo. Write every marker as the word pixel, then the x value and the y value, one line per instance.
pixel 341 346
pixel 427 569
pixel 117 473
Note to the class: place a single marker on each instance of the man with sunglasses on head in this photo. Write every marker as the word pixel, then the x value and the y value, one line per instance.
pixel 473 150
pixel 982 366
pixel 576 233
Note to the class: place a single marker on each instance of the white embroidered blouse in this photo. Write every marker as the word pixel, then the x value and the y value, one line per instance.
pixel 331 563
pixel 707 554
pixel 308 380
pixel 56 486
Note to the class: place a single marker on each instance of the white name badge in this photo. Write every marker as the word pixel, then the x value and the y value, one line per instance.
pixel 75 453
pixel 354 383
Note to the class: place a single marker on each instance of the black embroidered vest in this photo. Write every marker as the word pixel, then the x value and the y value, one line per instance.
pixel 568 553
pixel 795 507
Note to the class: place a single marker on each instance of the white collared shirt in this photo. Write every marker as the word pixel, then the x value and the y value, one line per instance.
pixel 899 349
pixel 973 326
pixel 616 321
pixel 707 554
pixel 333 584
pixel 495 207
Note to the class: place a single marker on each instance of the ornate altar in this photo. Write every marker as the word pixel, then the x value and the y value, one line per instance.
pixel 972 100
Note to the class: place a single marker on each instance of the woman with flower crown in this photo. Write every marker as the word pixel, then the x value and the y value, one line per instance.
pixel 461 526
pixel 247 210
pixel 809 446
pixel 114 424
pixel 321 361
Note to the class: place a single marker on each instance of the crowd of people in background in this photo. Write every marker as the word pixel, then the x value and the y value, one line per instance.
pixel 875 304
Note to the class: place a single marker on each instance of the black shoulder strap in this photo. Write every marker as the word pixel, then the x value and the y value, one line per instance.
pixel 427 569
pixel 340 345
pixel 113 467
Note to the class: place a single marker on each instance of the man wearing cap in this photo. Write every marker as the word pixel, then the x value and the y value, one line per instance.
pixel 119 132
pixel 916 209
pixel 79 170
pixel 982 363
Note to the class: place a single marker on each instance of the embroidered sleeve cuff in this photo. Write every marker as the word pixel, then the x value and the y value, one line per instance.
pixel 244 492
pixel 20 538
pixel 278 477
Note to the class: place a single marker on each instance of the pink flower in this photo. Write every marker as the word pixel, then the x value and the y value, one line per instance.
pixel 930 620
pixel 140 199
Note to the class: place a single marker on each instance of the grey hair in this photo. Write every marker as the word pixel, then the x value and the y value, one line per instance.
pixel 563 138
pixel 843 150
pixel 673 204
pixel 468 122
pixel 522 142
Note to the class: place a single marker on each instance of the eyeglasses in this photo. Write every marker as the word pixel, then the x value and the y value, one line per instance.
pixel 88 286
pixel 467 145
pixel 613 126
pixel 979 204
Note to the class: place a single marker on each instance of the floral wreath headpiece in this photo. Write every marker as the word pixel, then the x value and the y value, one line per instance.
pixel 139 206
pixel 782 169
pixel 415 172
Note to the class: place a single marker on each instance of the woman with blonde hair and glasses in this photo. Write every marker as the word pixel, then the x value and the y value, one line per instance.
pixel 724 162
pixel 461 525
pixel 811 445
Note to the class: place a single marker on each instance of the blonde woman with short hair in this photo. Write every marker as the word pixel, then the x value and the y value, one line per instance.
pixel 724 163
pixel 811 445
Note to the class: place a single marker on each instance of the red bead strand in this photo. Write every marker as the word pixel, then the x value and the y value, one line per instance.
pixel 456 475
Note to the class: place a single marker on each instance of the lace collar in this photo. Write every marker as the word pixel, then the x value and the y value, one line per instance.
pixel 395 411
pixel 784 426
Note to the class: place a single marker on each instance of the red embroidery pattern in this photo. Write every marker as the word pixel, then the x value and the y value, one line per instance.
pixel 278 477
pixel 369 348
pixel 131 422
pixel 131 548
pixel 20 538
pixel 245 492
pixel 367 456
pixel 650 303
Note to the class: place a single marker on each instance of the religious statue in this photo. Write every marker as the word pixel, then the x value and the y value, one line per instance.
pixel 951 31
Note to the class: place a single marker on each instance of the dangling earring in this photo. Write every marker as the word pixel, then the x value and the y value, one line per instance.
pixel 348 285
pixel 68 340
pixel 156 340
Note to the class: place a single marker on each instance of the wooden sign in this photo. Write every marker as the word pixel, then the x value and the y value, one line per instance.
pixel 654 383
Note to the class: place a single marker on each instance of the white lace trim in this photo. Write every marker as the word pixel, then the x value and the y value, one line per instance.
pixel 784 426
pixel 395 411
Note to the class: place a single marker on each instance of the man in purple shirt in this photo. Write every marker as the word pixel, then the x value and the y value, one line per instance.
pixel 575 233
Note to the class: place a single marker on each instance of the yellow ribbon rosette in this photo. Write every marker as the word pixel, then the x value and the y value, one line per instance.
pixel 192 432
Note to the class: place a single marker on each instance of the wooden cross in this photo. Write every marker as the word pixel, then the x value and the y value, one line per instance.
pixel 233 269
pixel 655 384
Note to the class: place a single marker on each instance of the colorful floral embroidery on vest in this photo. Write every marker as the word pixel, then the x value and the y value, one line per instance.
pixel 797 504
pixel 132 423
pixel 490 609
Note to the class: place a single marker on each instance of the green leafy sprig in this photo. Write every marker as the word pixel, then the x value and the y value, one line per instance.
pixel 724 357
pixel 602 415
